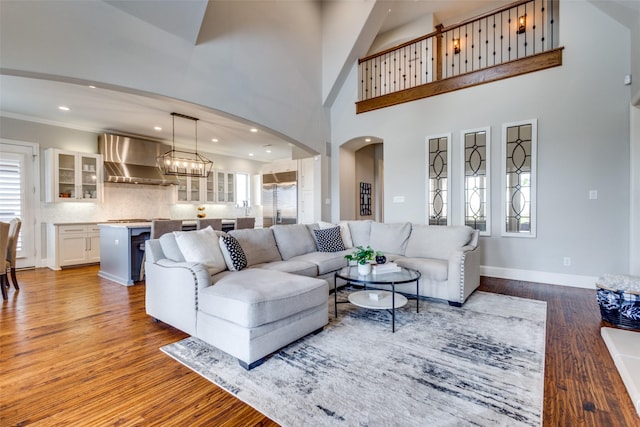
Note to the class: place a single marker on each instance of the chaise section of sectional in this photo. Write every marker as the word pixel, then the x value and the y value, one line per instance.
pixel 249 314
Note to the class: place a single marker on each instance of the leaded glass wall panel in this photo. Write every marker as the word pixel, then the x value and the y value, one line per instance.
pixel 519 178
pixel 476 203
pixel 438 149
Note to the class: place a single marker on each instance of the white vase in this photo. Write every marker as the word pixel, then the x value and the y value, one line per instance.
pixel 364 269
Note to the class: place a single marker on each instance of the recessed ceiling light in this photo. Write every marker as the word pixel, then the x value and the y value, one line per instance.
pixel 63 108
pixel 158 128
pixel 92 86
pixel 254 130
pixel 214 139
pixel 268 151
pixel 250 154
pixel 367 140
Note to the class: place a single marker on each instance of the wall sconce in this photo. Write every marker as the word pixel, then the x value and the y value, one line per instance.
pixel 456 46
pixel 522 24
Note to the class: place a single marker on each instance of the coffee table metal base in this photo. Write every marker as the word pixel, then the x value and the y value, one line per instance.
pixel 374 298
pixel 379 300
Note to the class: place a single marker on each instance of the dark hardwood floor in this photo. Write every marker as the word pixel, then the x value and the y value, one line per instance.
pixel 78 350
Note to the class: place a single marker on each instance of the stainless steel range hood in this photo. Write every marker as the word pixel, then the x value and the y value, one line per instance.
pixel 132 160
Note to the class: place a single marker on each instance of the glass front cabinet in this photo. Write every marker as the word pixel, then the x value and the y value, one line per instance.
pixel 226 187
pixel 218 187
pixel 188 189
pixel 73 176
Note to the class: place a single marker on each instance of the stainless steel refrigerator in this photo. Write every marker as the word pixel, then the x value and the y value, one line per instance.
pixel 279 198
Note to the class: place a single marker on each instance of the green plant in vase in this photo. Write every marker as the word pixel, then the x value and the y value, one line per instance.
pixel 363 257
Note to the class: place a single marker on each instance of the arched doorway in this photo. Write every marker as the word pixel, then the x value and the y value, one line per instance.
pixel 362 179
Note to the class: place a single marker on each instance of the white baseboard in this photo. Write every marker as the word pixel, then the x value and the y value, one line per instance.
pixel 572 280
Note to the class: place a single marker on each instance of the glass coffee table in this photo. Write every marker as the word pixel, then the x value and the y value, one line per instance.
pixel 378 299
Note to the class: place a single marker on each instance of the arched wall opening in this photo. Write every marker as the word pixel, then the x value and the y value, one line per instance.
pixel 362 179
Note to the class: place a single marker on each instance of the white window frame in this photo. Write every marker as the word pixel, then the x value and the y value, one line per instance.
pixel 463 133
pixel 532 233
pixel 449 181
pixel 247 176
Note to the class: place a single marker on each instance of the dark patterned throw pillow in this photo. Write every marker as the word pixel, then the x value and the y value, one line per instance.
pixel 233 254
pixel 329 240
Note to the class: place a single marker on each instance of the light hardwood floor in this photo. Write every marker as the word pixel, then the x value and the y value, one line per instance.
pixel 78 350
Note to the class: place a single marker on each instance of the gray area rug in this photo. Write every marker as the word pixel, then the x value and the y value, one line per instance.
pixel 479 365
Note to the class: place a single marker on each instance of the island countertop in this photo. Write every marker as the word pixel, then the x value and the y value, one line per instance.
pixel 122 246
pixel 185 223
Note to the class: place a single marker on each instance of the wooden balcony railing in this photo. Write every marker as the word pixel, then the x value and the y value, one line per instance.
pixel 517 39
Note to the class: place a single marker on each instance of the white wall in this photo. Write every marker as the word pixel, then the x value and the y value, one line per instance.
pixel 583 144
pixel 257 60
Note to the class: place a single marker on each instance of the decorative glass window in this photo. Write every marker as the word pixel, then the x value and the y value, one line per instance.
pixel 519 147
pixel 438 167
pixel 476 205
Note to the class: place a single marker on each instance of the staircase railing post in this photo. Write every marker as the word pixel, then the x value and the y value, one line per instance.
pixel 439 52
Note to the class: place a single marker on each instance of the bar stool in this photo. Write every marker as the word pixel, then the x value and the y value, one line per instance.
pixel 245 222
pixel 158 228
pixel 215 223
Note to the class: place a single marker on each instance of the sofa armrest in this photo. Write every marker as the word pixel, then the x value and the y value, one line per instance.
pixel 464 272
pixel 172 290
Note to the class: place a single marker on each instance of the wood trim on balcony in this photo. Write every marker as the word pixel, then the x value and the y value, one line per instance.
pixel 541 61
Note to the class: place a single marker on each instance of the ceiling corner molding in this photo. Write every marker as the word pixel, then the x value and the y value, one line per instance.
pixel 178 17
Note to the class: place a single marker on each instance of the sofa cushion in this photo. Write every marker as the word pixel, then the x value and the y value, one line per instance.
pixel 233 254
pixel 434 241
pixel 360 232
pixel 258 244
pixel 323 224
pixel 328 239
pixel 201 246
pixel 326 262
pixel 293 266
pixel 293 239
pixel 390 238
pixel 254 296
pixel 170 247
pixel 345 233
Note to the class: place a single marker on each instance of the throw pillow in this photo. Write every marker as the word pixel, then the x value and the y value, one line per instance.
pixel 233 254
pixel 201 246
pixel 345 234
pixel 329 240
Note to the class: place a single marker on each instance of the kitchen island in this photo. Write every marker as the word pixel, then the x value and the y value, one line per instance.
pixel 122 248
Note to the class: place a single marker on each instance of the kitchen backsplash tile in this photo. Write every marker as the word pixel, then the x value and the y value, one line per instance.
pixel 137 201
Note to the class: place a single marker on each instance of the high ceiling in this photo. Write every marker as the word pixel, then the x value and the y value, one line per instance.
pixel 100 109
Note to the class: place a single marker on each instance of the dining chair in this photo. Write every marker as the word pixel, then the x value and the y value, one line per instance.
pixel 4 264
pixel 245 222
pixel 12 248
pixel 215 223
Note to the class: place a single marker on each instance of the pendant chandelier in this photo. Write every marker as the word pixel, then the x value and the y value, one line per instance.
pixel 184 163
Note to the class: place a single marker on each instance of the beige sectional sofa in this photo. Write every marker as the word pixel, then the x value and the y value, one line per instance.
pixel 251 300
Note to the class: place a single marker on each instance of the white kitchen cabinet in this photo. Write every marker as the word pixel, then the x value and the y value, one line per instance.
pixel 218 187
pixel 72 244
pixel 308 189
pixel 210 188
pixel 226 187
pixel 190 189
pixel 73 176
